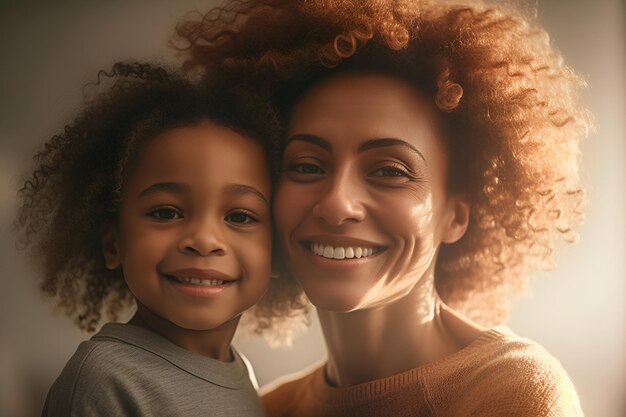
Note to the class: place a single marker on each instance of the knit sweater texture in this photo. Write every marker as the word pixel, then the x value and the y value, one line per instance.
pixel 499 374
pixel 126 370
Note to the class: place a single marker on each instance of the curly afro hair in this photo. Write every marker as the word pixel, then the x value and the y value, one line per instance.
pixel 74 191
pixel 511 113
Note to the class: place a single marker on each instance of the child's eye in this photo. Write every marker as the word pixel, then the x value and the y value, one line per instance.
pixel 240 217
pixel 166 213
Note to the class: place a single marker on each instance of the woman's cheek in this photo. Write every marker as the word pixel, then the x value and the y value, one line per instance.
pixel 413 225
pixel 409 216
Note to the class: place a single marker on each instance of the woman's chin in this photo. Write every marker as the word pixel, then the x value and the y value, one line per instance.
pixel 338 302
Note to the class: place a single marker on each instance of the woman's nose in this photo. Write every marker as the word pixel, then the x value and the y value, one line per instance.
pixel 341 201
pixel 203 238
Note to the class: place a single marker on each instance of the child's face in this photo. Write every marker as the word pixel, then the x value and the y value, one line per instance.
pixel 194 232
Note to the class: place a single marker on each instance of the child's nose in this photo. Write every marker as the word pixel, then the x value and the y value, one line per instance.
pixel 203 238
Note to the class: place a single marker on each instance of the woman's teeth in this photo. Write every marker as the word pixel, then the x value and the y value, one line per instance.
pixel 202 282
pixel 340 252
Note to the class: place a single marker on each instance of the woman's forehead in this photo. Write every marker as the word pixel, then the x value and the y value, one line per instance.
pixel 364 106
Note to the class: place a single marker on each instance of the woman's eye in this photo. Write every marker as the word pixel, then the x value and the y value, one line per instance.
pixel 240 217
pixel 390 172
pixel 305 169
pixel 165 213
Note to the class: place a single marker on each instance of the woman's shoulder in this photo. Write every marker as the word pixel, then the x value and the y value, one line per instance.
pixel 285 394
pixel 501 373
pixel 501 351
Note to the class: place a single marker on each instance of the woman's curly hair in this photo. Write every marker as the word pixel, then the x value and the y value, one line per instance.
pixel 510 112
pixel 73 194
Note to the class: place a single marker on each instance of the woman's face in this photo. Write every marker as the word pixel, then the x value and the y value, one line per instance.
pixel 361 206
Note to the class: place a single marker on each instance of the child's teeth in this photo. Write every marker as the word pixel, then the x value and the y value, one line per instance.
pixel 340 252
pixel 203 282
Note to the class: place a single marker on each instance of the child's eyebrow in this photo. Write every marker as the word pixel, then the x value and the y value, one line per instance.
pixel 247 189
pixel 175 187
pixel 163 186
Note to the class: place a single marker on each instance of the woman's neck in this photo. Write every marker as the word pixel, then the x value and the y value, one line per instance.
pixel 213 343
pixel 371 344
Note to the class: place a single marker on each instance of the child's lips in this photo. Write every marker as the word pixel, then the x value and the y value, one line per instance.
pixel 199 282
pixel 197 274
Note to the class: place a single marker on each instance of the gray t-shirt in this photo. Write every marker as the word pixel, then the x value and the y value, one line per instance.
pixel 126 370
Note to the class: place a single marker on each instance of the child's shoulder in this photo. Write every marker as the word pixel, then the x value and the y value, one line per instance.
pixel 101 359
pixel 104 371
pixel 128 370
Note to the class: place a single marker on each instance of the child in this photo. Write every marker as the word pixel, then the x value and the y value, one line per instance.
pixel 159 192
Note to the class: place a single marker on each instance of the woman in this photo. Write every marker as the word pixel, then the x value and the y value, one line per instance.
pixel 429 166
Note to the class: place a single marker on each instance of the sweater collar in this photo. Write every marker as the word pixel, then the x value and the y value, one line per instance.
pixel 231 374
pixel 368 391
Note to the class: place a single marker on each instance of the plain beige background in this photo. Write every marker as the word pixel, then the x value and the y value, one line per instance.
pixel 49 51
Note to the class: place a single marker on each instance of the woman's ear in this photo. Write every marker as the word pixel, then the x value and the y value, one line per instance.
pixel 455 227
pixel 110 249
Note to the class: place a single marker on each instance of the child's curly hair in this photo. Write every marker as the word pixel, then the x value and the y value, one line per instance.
pixel 74 192
pixel 510 111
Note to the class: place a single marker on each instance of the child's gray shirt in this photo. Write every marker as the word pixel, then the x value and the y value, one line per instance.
pixel 126 370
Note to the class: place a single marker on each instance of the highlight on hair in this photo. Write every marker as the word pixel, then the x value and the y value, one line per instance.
pixel 73 194
pixel 510 110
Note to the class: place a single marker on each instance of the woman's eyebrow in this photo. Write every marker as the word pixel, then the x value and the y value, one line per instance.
pixel 383 142
pixel 315 140
pixel 163 186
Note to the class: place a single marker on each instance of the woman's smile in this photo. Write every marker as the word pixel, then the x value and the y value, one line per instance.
pixel 342 252
pixel 332 251
pixel 341 247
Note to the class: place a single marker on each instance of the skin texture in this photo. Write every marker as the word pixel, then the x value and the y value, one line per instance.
pixel 345 183
pixel 194 205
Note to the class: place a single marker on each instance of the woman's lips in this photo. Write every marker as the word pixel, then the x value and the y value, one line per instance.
pixel 342 252
pixel 341 248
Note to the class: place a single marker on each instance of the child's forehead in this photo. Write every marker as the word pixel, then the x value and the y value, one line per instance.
pixel 205 153
pixel 202 141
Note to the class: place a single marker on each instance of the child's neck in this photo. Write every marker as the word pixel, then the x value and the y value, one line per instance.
pixel 213 343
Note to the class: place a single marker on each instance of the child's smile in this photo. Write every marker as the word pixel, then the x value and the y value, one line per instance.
pixel 194 231
pixel 199 282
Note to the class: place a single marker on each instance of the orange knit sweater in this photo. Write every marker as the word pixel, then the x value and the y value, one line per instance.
pixel 497 375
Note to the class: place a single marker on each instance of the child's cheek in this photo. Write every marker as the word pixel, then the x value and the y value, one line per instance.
pixel 145 243
pixel 256 259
